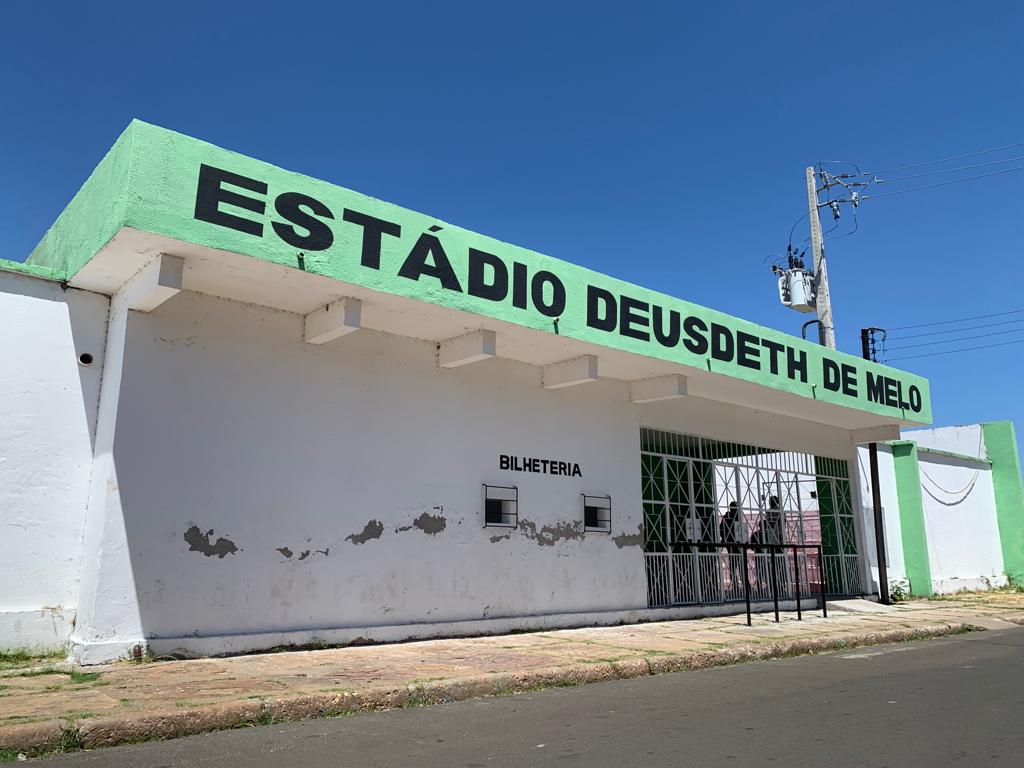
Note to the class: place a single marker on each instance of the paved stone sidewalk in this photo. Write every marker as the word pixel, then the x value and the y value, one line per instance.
pixel 50 708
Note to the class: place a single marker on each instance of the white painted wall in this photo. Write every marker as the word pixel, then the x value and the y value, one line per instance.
pixel 959 509
pixel 47 414
pixel 230 423
pixel 896 570
pixel 963 439
pixel 964 550
pixel 230 426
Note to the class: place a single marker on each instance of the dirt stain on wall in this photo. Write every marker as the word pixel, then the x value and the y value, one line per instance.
pixel 630 539
pixel 200 542
pixel 372 530
pixel 431 524
pixel 549 535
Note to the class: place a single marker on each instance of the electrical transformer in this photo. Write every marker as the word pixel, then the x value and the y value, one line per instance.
pixel 796 289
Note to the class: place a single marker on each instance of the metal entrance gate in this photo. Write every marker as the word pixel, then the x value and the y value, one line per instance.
pixel 699 495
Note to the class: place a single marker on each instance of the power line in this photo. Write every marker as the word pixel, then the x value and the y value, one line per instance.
pixel 962 338
pixel 945 159
pixel 958 330
pixel 793 228
pixel 951 351
pixel 950 322
pixel 950 170
pixel 942 183
pixel 856 226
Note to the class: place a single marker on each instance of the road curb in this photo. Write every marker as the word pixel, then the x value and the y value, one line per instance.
pixel 42 737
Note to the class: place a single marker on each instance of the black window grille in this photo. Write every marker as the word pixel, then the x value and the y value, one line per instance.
pixel 501 506
pixel 597 513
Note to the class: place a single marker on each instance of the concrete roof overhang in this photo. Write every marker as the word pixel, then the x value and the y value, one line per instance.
pixel 145 203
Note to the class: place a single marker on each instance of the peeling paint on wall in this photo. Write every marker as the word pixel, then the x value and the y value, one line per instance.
pixel 372 530
pixel 549 535
pixel 304 554
pixel 432 524
pixel 200 542
pixel 499 537
pixel 630 539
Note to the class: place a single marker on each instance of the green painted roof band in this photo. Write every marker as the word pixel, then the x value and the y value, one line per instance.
pixel 95 214
pixel 148 181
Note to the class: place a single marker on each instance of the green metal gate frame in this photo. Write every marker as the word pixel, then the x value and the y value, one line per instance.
pixel 680 496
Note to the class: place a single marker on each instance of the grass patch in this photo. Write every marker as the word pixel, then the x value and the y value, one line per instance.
pixel 74 677
pixel 70 741
pixel 74 715
pixel 421 680
pixel 9 755
pixel 38 672
pixel 418 699
pixel 266 717
pixel 77 676
pixel 18 719
pixel 13 659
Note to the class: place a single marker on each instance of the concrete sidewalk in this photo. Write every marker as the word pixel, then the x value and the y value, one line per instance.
pixel 52 708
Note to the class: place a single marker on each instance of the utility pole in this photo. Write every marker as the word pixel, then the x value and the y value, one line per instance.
pixel 823 302
pixel 866 339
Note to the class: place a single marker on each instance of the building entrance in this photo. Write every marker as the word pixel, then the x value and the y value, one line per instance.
pixel 705 498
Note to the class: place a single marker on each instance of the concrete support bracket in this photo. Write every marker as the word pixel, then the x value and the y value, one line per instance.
pixel 658 388
pixel 154 284
pixel 336 319
pixel 470 348
pixel 569 373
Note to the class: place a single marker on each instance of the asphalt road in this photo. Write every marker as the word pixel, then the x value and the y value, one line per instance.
pixel 957 701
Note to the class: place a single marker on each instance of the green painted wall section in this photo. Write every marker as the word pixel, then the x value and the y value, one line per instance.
pixel 908 494
pixel 94 215
pixel 149 181
pixel 1001 446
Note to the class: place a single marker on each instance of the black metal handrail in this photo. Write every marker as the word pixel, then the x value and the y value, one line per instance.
pixel 773 578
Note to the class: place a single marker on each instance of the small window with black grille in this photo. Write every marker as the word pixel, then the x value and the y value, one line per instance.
pixel 501 506
pixel 597 513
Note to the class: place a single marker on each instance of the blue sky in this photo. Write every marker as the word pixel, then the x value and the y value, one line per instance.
pixel 662 143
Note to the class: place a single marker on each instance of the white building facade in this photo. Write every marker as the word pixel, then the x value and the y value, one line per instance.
pixel 244 408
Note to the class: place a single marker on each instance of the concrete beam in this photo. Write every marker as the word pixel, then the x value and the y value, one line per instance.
pixel 463 350
pixel 155 283
pixel 333 320
pixel 658 388
pixel 875 434
pixel 569 373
